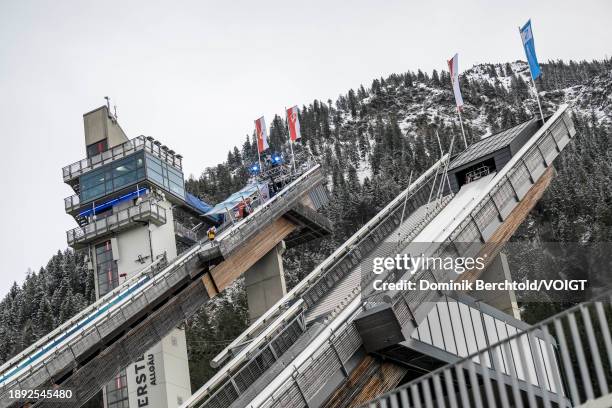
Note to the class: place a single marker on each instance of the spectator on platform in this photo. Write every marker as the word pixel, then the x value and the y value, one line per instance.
pixel 247 208
pixel 241 207
pixel 212 233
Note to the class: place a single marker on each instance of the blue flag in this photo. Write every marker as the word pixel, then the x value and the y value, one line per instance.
pixel 528 44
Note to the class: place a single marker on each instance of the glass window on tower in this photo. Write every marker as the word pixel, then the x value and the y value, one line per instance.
pixel 117 392
pixel 112 177
pixel 166 176
pixel 106 268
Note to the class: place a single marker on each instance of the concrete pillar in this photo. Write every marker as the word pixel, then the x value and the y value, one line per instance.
pixel 499 271
pixel 265 282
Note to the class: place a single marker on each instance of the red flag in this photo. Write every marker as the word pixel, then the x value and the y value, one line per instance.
pixel 262 134
pixel 294 124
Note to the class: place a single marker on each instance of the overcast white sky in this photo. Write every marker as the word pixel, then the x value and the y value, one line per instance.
pixel 195 76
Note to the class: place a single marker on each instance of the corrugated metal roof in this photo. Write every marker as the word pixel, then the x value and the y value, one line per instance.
pixel 488 145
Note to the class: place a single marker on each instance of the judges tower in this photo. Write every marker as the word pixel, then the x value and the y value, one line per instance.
pixel 129 198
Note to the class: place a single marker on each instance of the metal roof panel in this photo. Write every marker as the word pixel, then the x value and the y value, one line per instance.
pixel 488 145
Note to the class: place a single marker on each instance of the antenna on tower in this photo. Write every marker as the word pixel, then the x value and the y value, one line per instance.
pixel 111 115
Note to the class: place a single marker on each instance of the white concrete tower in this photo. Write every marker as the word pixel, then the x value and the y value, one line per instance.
pixel 129 194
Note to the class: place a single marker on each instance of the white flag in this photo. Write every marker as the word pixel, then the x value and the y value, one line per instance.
pixel 262 134
pixel 453 67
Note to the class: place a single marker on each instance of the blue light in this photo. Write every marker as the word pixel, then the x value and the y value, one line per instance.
pixel 254 169
pixel 108 204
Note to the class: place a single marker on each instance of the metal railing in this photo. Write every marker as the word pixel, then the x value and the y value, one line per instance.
pixel 133 145
pixel 328 352
pixel 238 382
pixel 264 215
pixel 146 210
pixel 72 203
pixel 572 367
pixel 183 231
pixel 25 357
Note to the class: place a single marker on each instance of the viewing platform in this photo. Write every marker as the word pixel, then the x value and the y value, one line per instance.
pixel 71 172
pixel 145 211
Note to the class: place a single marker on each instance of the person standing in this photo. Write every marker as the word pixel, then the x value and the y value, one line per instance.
pixel 212 233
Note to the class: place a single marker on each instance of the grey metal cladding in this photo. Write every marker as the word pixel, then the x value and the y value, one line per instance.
pixel 379 328
pixel 491 144
pixel 134 306
pixel 111 323
pixel 38 376
pixel 60 361
pixel 88 339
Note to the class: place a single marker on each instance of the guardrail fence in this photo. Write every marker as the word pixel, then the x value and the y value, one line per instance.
pixel 564 361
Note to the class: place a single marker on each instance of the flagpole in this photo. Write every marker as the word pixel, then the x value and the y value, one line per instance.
pixel 258 154
pixel 453 68
pixel 461 123
pixel 535 89
pixel 290 140
pixel 439 144
pixel 446 166
pixel 259 158
pixel 292 155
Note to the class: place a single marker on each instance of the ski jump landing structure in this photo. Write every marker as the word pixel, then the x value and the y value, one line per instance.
pixel 332 342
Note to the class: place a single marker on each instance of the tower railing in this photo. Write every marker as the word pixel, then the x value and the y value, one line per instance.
pixel 131 146
pixel 572 368
pixel 146 210
pixel 72 202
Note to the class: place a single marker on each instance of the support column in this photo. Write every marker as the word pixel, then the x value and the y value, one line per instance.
pixel 499 271
pixel 265 282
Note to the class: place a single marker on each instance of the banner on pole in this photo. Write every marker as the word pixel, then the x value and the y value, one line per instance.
pixel 529 45
pixel 262 134
pixel 294 124
pixel 453 67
